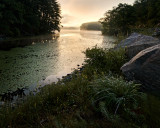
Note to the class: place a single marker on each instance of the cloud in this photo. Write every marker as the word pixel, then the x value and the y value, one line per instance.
pixel 78 11
pixel 67 18
pixel 81 7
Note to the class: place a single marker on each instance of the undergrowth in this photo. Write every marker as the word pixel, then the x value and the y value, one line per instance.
pixel 105 61
pixel 97 97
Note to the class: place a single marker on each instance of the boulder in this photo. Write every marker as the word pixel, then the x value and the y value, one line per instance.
pixel 136 43
pixel 145 68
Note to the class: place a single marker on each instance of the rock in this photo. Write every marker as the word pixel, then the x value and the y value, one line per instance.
pixel 145 68
pixel 136 43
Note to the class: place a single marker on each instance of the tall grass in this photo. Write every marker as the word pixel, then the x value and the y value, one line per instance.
pixel 112 96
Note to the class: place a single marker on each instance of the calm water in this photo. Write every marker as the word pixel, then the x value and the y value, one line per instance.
pixel 46 59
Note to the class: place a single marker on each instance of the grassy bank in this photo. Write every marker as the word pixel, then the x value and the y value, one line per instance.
pixel 97 97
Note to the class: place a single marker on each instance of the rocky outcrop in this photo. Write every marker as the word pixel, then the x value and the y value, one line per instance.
pixel 136 43
pixel 145 68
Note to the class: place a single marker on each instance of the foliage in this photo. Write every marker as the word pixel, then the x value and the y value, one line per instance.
pixel 91 26
pixel 118 20
pixel 29 17
pixel 112 96
pixel 151 109
pixel 125 18
pixel 105 60
pixel 72 104
pixel 54 105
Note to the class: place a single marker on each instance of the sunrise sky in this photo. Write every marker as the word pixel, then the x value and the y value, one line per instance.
pixel 76 12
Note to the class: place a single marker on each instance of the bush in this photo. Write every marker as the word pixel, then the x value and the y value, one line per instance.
pixel 103 60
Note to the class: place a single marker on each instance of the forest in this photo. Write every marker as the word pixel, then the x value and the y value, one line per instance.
pixel 125 18
pixel 29 17
pixel 91 26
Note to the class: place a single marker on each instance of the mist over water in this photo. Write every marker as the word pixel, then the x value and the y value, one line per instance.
pixel 45 60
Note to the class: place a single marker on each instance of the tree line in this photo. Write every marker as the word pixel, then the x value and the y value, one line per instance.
pixel 124 18
pixel 91 26
pixel 29 17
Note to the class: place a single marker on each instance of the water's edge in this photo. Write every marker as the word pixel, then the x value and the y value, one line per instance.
pixel 27 68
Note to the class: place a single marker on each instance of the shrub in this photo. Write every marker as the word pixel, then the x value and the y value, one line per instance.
pixel 103 60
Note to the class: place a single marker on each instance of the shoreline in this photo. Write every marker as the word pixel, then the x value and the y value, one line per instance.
pixel 21 94
pixel 24 41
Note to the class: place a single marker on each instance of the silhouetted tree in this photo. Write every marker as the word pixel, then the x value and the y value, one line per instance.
pixel 29 17
pixel 91 26
pixel 118 20
pixel 124 18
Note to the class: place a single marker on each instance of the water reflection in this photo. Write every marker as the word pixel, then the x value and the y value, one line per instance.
pixel 91 34
pixel 7 45
pixel 46 59
pixel 108 41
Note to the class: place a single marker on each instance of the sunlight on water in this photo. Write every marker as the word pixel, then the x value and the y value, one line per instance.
pixel 62 35
pixel 43 62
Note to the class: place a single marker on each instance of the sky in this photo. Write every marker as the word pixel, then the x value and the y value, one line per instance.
pixel 76 12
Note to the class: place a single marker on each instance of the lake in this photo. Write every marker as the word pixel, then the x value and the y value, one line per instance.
pixel 38 61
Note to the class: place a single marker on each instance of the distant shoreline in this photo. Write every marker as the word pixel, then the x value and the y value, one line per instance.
pixel 9 43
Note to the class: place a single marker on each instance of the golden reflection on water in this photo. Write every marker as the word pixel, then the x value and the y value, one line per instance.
pixel 46 60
